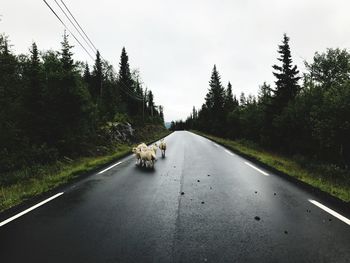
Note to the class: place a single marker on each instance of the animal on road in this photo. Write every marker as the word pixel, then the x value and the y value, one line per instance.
pixel 145 156
pixel 137 150
pixel 162 147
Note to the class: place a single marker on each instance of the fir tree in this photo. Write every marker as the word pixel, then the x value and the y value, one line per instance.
pixel 194 113
pixel 214 102
pixel 230 103
pixel 126 84
pixel 216 95
pixel 87 74
pixel 33 97
pixel 242 99
pixel 161 113
pixel 150 103
pixel 66 54
pixel 95 89
pixel 287 77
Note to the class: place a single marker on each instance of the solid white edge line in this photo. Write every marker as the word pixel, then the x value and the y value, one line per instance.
pixel 266 174
pixel 29 209
pixel 330 211
pixel 216 145
pixel 110 167
pixel 230 153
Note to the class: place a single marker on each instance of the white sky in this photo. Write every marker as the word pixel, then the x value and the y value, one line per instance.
pixel 175 44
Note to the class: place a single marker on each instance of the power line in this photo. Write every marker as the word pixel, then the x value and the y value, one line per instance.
pixel 93 50
pixel 125 88
pixel 130 93
pixel 67 28
pixel 79 25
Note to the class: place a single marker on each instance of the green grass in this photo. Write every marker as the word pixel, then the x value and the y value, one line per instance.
pixel 328 178
pixel 43 178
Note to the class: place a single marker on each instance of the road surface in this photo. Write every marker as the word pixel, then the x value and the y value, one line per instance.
pixel 202 203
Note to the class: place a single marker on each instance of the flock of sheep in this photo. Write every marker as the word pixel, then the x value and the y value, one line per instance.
pixel 147 155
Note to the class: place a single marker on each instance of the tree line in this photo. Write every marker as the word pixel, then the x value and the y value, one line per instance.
pixel 52 105
pixel 303 114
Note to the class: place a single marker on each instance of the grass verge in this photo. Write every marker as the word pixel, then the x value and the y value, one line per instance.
pixel 327 178
pixel 40 179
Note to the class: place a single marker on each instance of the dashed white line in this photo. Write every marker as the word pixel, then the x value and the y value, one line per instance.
pixel 230 153
pixel 29 209
pixel 110 167
pixel 264 173
pixel 330 211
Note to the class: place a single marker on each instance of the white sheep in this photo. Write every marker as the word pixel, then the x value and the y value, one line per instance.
pixel 162 147
pixel 137 150
pixel 147 157
pixel 154 148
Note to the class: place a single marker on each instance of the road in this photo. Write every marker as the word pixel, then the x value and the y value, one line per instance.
pixel 202 203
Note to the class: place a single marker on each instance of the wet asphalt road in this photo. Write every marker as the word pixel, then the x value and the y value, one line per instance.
pixel 127 214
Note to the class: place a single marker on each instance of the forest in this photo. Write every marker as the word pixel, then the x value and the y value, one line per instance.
pixel 304 115
pixel 54 107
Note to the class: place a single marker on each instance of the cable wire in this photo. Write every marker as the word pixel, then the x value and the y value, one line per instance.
pixel 79 25
pixel 68 29
pixel 89 45
pixel 126 90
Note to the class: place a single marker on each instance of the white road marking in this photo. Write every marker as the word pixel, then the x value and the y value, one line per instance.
pixel 330 211
pixel 29 209
pixel 230 153
pixel 264 173
pixel 110 167
pixel 216 145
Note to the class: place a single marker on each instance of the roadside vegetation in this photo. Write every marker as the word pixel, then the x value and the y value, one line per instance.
pixel 300 124
pixel 37 179
pixel 331 179
pixel 60 119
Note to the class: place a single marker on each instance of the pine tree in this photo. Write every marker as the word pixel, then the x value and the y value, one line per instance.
pixel 214 102
pixel 242 99
pixel 87 74
pixel 66 54
pixel 70 104
pixel 150 103
pixel 194 113
pixel 161 113
pixel 215 97
pixel 33 97
pixel 96 84
pixel 139 93
pixel 126 84
pixel 230 103
pixel 10 91
pixel 287 77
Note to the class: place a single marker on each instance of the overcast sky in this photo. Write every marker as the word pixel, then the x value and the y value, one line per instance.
pixel 175 44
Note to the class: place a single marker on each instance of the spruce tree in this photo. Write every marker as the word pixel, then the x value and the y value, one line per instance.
pixel 10 91
pixel 70 104
pixel 95 87
pixel 126 84
pixel 161 113
pixel 214 102
pixel 66 54
pixel 139 93
pixel 216 96
pixel 242 99
pixel 150 103
pixel 33 97
pixel 230 103
pixel 287 77
pixel 194 113
pixel 87 74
